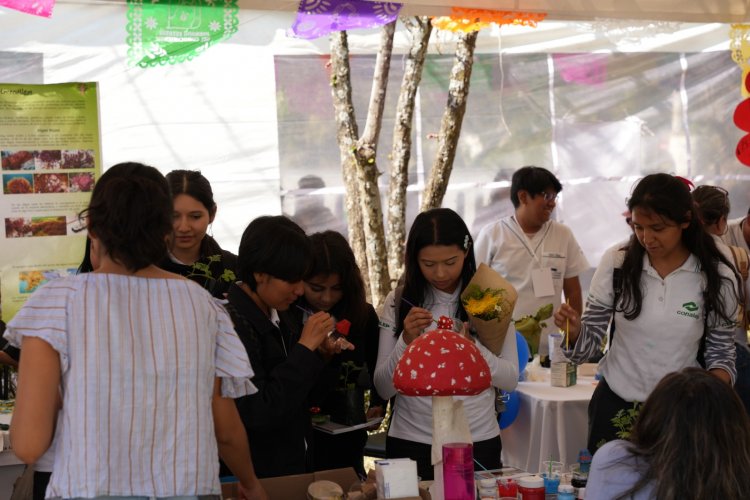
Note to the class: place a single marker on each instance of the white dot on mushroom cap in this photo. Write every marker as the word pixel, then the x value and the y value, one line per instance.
pixel 432 375
pixel 468 379
pixel 429 387
pixel 407 361
pixel 432 342
pixel 461 365
pixel 443 350
pixel 427 353
pixel 421 365
pixel 413 374
pixel 442 365
pixel 453 381
pixel 481 374
pixel 473 358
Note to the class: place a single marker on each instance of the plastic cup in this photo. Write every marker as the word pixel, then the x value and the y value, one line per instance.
pixel 552 468
pixel 551 473
pixel 551 483
pixel 507 487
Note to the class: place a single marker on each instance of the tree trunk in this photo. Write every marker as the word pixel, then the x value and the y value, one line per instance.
pixel 358 159
pixel 450 126
pixel 346 135
pixel 420 29
pixel 367 173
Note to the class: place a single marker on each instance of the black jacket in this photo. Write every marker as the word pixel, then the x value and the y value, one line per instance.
pixel 277 417
pixel 216 279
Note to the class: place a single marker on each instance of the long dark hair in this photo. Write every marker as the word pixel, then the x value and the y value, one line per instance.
pixel 693 435
pixel 333 255
pixel 438 226
pixel 668 197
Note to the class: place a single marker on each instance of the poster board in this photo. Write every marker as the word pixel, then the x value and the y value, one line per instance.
pixel 51 158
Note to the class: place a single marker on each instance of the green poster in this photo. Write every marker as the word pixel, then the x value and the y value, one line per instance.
pixel 51 159
pixel 173 31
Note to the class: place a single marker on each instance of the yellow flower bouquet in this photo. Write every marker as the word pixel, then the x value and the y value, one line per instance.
pixel 489 300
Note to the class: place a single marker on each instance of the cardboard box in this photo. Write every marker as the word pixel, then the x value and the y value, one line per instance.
pixel 295 487
pixel 563 374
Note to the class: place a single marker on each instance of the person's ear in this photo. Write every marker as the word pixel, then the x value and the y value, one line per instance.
pixel 260 278
pixel 688 219
pixel 523 197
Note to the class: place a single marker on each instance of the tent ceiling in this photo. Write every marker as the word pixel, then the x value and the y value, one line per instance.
pixel 697 11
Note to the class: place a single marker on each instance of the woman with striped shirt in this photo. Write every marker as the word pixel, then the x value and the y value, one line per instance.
pixel 147 363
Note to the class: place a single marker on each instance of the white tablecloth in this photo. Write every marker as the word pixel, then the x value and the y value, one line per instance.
pixel 551 422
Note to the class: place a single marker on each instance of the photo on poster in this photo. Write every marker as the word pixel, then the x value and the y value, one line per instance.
pixel 25 227
pixel 18 184
pixel 30 280
pixel 82 182
pixel 51 183
pixel 18 160
pixel 48 159
pixel 78 158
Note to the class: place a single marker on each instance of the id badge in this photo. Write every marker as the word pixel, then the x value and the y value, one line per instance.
pixel 541 280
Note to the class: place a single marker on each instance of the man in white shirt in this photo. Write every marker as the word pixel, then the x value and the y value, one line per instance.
pixel 539 256
pixel 738 233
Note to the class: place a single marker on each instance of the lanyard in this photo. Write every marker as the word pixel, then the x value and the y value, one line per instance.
pixel 521 235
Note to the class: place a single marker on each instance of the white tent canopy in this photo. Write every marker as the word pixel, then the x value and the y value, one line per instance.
pixel 219 113
pixel 702 11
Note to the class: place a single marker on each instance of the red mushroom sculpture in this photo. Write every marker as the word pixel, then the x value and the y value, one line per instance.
pixel 443 364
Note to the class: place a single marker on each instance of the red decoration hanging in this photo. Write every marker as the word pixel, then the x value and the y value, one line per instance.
pixel 743 150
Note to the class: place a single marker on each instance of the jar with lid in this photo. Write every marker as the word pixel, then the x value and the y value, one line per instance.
pixel 579 480
pixel 566 492
pixel 487 489
pixel 531 488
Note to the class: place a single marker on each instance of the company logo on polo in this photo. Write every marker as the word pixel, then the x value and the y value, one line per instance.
pixel 689 309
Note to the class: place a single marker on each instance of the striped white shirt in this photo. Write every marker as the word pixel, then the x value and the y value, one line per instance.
pixel 138 359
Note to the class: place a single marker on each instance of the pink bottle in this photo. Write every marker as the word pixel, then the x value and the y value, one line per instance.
pixel 458 471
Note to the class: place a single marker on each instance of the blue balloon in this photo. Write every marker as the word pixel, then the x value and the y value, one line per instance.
pixel 523 352
pixel 511 410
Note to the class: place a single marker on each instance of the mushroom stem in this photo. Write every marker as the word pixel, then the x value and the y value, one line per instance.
pixel 449 425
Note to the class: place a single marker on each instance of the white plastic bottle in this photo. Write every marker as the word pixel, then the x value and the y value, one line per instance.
pixel 487 489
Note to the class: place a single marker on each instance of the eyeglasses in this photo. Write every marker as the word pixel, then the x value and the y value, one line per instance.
pixel 549 196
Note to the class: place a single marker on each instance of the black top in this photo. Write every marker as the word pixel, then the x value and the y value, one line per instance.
pixel 5 346
pixel 349 369
pixel 215 269
pixel 277 417
pixel 340 390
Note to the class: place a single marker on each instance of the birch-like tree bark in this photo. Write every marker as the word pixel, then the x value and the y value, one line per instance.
pixel 450 126
pixel 346 136
pixel 420 30
pixel 363 152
